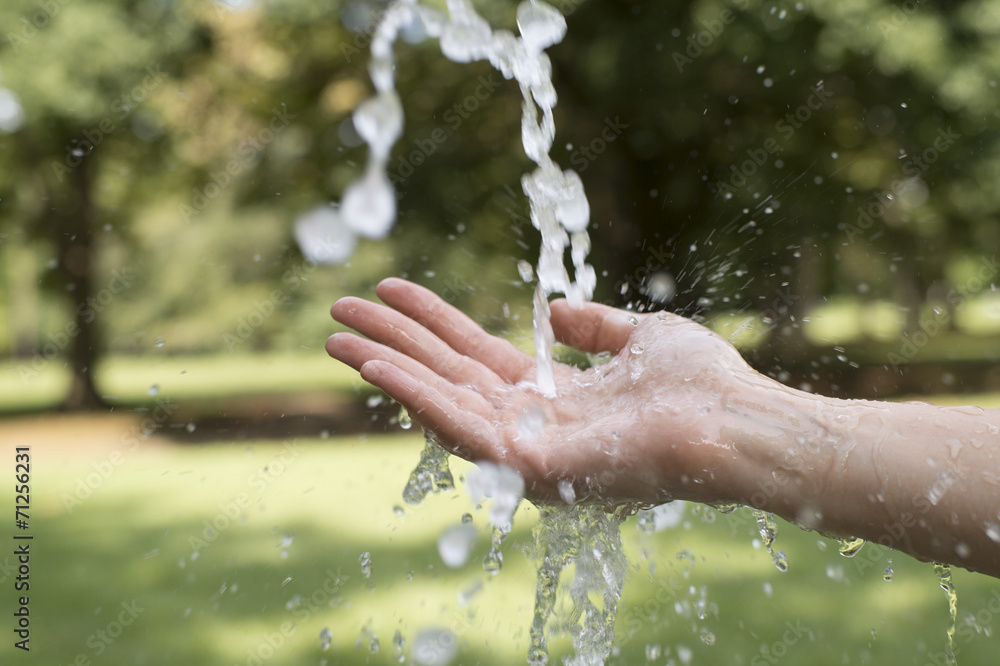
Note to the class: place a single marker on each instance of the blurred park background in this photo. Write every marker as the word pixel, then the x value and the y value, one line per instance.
pixel 815 180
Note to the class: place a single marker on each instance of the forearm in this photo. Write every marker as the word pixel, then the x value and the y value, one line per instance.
pixel 921 479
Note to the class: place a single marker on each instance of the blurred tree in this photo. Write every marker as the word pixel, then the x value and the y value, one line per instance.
pixel 765 156
pixel 76 76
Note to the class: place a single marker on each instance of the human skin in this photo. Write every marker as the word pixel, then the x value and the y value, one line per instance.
pixel 676 413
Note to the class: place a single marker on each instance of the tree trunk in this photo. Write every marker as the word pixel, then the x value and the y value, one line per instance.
pixel 76 252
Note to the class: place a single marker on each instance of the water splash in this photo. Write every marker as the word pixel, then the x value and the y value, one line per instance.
pixel 851 546
pixel 365 560
pixel 455 545
pixel 768 533
pixel 558 203
pixel 431 474
pixel 589 538
pixel 943 572
pixel 493 560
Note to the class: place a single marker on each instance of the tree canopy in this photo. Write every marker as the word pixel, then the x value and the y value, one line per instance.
pixel 762 157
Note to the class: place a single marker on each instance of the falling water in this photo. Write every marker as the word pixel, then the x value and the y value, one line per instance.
pixel 768 533
pixel 561 213
pixel 943 572
pixel 559 207
pixel 584 539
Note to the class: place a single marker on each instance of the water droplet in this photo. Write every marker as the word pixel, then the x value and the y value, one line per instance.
pixel 373 645
pixel 191 427
pixel 540 25
pixel 466 518
pixel 398 510
pixel 887 575
pixel 653 652
pixel 323 237
pixel 768 533
pixel 851 547
pixel 503 484
pixel 661 288
pixel 434 647
pixel 707 637
pixel 158 342
pixel 154 389
pixel 530 422
pixel 525 271
pixel 369 205
pixel 325 638
pixel 379 121
pixel 566 491
pixel 365 559
pixel 636 348
pixel 467 37
pixel 405 422
pixel 993 532
pixel 455 545
pixel 633 321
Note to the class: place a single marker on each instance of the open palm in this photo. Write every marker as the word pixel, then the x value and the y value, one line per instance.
pixel 634 429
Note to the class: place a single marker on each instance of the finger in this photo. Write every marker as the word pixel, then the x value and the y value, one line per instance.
pixel 396 330
pixel 592 327
pixel 356 351
pixel 464 433
pixel 456 329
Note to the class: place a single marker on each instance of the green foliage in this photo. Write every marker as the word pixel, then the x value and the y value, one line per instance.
pixel 830 149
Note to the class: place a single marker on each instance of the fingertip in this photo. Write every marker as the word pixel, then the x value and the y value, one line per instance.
pixel 343 306
pixel 389 285
pixel 374 371
pixel 335 342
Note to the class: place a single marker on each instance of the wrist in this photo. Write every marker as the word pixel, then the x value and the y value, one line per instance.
pixel 790 446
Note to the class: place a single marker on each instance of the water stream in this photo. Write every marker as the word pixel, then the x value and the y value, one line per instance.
pixel 578 548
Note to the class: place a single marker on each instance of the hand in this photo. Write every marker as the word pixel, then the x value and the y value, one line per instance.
pixel 643 427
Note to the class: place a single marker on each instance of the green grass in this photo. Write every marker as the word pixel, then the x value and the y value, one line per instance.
pixel 131 380
pixel 133 534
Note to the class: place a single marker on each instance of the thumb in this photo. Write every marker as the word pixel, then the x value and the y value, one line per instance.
pixel 592 327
